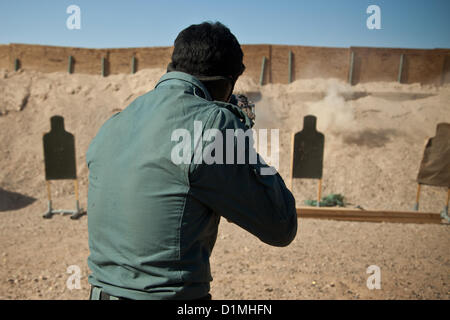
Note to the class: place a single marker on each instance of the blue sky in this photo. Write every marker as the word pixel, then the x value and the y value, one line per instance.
pixel 138 23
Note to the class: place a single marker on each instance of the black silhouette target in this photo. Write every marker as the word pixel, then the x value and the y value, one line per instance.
pixel 59 152
pixel 308 151
pixel 435 166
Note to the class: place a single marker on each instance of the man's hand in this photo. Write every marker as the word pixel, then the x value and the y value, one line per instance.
pixel 244 104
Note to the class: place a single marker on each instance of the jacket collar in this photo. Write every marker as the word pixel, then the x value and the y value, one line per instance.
pixel 188 79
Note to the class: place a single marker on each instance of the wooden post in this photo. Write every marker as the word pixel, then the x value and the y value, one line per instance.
pixel 133 65
pixel 400 68
pixel 444 213
pixel 291 173
pixel 75 182
pixel 70 66
pixel 49 195
pixel 263 69
pixel 319 192
pixel 49 212
pixel 448 197
pixel 350 72
pixel 16 64
pixel 290 66
pixel 416 206
pixel 103 67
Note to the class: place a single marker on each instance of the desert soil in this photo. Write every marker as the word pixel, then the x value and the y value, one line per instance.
pixel 374 142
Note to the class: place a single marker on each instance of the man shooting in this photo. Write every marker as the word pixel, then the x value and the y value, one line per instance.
pixel 153 222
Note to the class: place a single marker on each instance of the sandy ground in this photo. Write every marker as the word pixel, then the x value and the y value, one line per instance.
pixel 374 142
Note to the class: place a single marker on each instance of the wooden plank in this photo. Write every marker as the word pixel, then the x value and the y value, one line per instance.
pixel 347 214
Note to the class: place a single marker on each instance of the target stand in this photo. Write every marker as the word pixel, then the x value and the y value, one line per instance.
pixel 60 164
pixel 307 154
pixel 434 168
pixel 75 214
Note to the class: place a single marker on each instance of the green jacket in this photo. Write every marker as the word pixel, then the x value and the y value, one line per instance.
pixel 153 223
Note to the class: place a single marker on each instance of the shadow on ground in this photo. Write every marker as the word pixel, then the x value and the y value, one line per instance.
pixel 372 138
pixel 13 200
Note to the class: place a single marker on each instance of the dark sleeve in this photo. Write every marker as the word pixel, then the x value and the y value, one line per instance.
pixel 259 203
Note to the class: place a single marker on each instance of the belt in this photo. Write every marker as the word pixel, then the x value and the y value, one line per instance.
pixel 98 294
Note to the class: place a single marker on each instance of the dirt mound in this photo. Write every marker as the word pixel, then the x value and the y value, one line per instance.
pixel 374 135
pixel 374 132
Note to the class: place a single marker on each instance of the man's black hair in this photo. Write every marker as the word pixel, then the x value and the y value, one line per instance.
pixel 207 49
